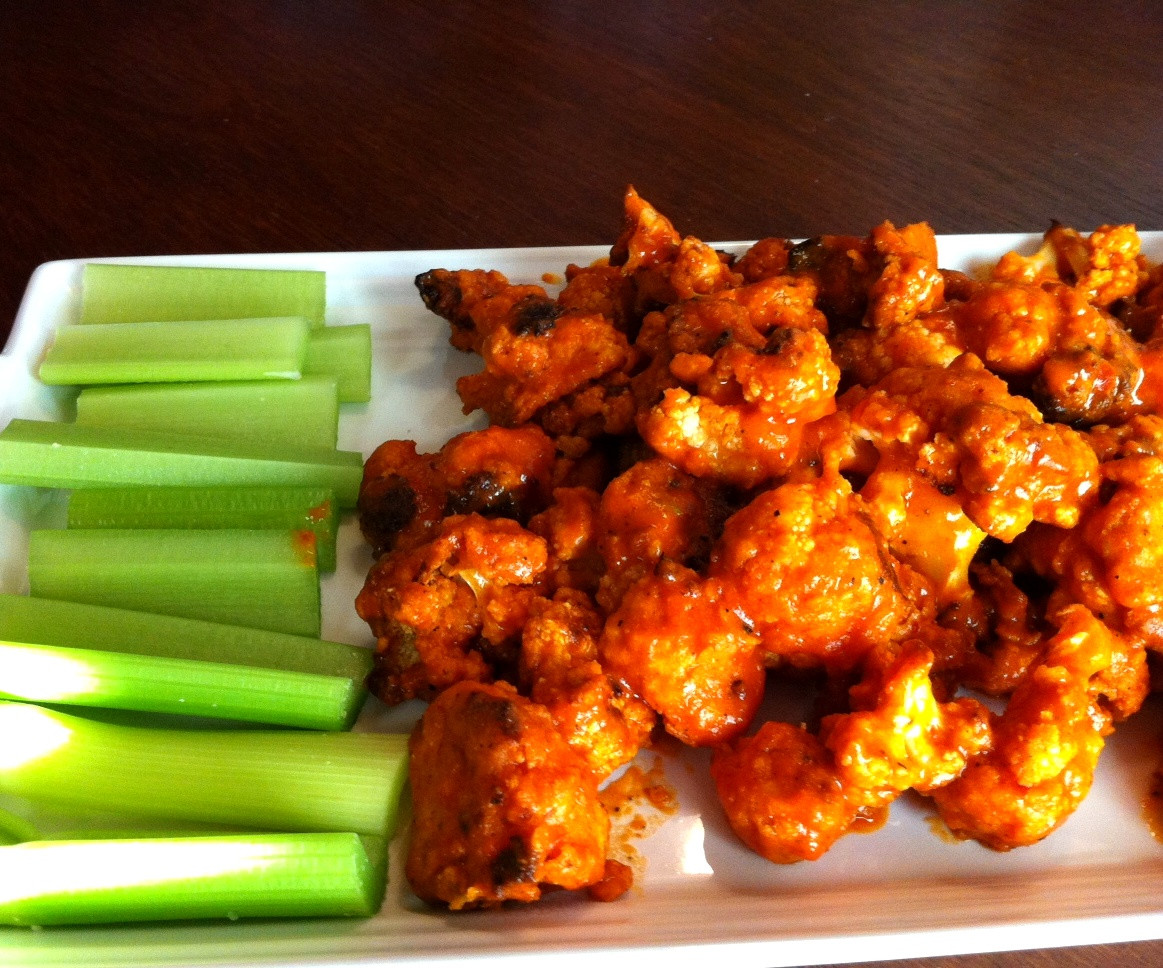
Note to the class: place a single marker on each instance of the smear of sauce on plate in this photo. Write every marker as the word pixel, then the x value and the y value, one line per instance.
pixel 940 831
pixel 1152 808
pixel 638 802
pixel 869 820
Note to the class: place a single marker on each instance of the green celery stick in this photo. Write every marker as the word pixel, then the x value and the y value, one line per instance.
pixel 56 882
pixel 159 684
pixel 300 412
pixel 224 349
pixel 83 626
pixel 343 352
pixel 14 829
pixel 50 454
pixel 300 508
pixel 114 293
pixel 258 779
pixel 265 579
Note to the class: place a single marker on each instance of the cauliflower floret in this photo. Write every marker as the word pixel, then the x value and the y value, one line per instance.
pixel 603 722
pixel 453 608
pixel 541 355
pixel 475 302
pixel 496 472
pixel 1112 560
pixel 782 793
pixel 790 795
pixel 765 259
pixel 653 511
pixel 1048 740
pixel 648 238
pixel 925 528
pixel 898 736
pixel 962 429
pixel 1104 268
pixel 1006 627
pixel 902 320
pixel 909 284
pixel 745 424
pixel 813 576
pixel 570 529
pixel 502 806
pixel 680 642
pixel 603 289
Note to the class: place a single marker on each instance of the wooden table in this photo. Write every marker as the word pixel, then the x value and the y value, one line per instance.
pixel 210 127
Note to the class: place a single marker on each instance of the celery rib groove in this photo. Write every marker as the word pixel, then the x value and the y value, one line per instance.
pixel 234 876
pixel 265 579
pixel 243 779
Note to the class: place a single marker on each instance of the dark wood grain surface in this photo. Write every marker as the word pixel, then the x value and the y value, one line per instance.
pixel 290 125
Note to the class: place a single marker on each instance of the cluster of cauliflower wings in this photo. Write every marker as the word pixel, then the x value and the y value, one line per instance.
pixel 936 501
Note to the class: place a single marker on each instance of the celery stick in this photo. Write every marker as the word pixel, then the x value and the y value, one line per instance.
pixel 50 454
pixel 83 626
pixel 159 684
pixel 236 876
pixel 260 779
pixel 344 352
pixel 265 579
pixel 300 508
pixel 226 349
pixel 14 829
pixel 300 412
pixel 112 293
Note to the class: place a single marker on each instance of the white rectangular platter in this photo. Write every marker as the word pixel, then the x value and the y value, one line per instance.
pixel 699 896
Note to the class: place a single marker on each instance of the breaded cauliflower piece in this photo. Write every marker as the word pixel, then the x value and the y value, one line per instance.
pixel 899 736
pixel 923 527
pixel 1081 365
pixel 453 608
pixel 1006 627
pixel 476 302
pixel 964 431
pixel 495 472
pixel 782 793
pixel 681 643
pixel 1112 560
pixel 543 353
pixel 1048 740
pixel 813 575
pixel 502 806
pixel 1104 267
pixel 790 794
pixel 902 322
pixel 648 239
pixel 602 720
pixel 909 283
pixel 653 511
pixel 535 350
pixel 570 529
pixel 743 426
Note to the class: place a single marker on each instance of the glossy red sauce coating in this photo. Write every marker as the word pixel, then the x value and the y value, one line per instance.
pixel 832 460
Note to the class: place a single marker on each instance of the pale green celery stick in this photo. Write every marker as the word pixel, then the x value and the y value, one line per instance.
pixel 224 349
pixel 50 454
pixel 113 293
pixel 302 413
pixel 83 626
pixel 344 352
pixel 14 829
pixel 264 579
pixel 300 508
pixel 235 876
pixel 158 684
pixel 259 779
